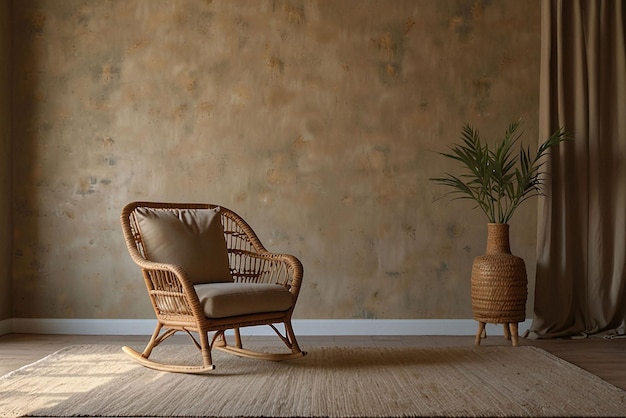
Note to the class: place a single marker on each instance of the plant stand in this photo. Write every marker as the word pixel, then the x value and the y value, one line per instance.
pixel 499 285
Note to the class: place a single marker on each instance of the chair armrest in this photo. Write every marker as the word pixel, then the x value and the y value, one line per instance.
pixel 170 289
pixel 267 267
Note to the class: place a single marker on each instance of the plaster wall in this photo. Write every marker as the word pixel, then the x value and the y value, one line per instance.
pixel 317 121
pixel 5 161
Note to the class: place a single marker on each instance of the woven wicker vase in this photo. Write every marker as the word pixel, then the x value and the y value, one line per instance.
pixel 499 285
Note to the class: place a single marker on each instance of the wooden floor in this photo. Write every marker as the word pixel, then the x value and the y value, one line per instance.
pixel 604 358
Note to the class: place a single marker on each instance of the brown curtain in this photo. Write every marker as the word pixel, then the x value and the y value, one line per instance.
pixel 581 260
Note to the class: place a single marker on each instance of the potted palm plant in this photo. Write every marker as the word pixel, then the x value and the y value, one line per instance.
pixel 498 180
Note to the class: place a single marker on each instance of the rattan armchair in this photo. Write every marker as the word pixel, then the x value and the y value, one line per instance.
pixel 206 273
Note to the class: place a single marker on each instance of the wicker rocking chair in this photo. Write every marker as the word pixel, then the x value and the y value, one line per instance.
pixel 206 272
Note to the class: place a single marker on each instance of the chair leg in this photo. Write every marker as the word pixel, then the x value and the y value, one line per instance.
pixel 153 341
pixel 207 361
pixel 291 336
pixel 237 338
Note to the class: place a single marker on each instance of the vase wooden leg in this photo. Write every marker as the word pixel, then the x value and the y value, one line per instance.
pixel 481 333
pixel 507 332
pixel 514 333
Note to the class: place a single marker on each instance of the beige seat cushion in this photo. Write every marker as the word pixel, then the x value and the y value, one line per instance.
pixel 221 300
pixel 192 239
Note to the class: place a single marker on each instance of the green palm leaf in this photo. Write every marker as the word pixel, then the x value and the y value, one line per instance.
pixel 497 179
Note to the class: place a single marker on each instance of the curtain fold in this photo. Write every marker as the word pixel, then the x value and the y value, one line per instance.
pixel 581 249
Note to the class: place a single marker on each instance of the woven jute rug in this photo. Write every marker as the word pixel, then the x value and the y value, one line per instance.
pixel 100 380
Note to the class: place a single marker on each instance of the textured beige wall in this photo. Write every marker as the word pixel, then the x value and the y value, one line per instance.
pixel 318 121
pixel 5 161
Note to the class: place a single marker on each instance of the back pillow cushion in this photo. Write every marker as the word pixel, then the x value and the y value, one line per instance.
pixel 190 238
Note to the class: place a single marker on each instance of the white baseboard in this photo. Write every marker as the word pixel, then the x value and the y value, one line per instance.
pixel 395 327
pixel 308 327
pixel 6 326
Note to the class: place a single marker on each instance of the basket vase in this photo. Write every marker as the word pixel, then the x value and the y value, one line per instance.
pixel 499 285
